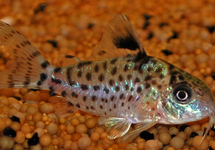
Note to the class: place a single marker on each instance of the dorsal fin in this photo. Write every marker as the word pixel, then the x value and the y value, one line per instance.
pixel 118 40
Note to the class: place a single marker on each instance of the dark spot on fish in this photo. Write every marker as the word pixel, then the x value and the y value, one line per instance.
pixel 106 90
pixel 109 109
pixel 101 107
pixel 57 81
pixel 147 85
pixel 113 61
pixel 63 93
pixel 146 24
pixel 83 63
pixel 166 52
pixel 70 104
pixel 128 107
pixel 126 42
pixel 101 53
pixel 92 107
pixel 159 86
pixel 8 131
pixel 111 82
pixel 44 64
pixel 125 67
pixel 17 46
pixel 96 68
pixel 79 74
pixel 75 95
pixel 113 71
pixel 148 77
pixel 139 90
pixel 101 77
pixel 122 104
pixel 121 96
pixel 172 79
pixel 52 42
pixel 96 87
pixel 112 98
pixel 105 65
pixel 136 80
pixel 84 98
pixel 58 69
pixel 161 76
pixel 26 83
pixel 129 76
pixel 158 70
pixel 150 35
pixel 94 98
pixel 78 105
pixel 43 77
pixel 117 88
pixel 114 105
pixel 88 76
pixel 120 77
pixel 84 87
pixel 130 98
pixel 15 119
pixel 126 87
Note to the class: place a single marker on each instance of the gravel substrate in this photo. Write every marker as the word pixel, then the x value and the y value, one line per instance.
pixel 179 31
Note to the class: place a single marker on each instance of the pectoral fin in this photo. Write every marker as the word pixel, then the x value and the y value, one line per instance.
pixel 116 127
pixel 137 130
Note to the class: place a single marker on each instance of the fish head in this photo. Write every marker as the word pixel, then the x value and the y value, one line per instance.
pixel 185 99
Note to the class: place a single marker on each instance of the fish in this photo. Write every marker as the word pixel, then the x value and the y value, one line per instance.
pixel 120 83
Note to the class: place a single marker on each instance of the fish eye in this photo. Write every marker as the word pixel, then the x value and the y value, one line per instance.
pixel 182 93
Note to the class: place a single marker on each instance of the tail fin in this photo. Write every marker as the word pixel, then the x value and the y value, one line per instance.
pixel 29 68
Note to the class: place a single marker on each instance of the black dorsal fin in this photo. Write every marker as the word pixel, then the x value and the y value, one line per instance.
pixel 118 40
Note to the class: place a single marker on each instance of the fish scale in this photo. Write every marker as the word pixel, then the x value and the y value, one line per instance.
pixel 119 82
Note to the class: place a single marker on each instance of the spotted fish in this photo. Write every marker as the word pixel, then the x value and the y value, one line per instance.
pixel 120 82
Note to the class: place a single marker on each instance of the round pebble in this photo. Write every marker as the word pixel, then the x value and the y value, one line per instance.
pixel 196 143
pixel 152 145
pixel 177 142
pixel 6 142
pixel 46 108
pixel 45 140
pixel 83 142
pixel 52 128
pixel 70 129
pixel 91 123
pixel 165 138
pixel 32 96
pixel 95 136
pixel 81 128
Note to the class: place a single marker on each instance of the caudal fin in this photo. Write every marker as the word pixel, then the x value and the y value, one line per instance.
pixel 29 68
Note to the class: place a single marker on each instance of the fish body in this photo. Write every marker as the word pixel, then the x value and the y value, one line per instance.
pixel 120 83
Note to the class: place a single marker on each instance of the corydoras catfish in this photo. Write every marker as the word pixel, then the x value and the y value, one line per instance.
pixel 120 82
